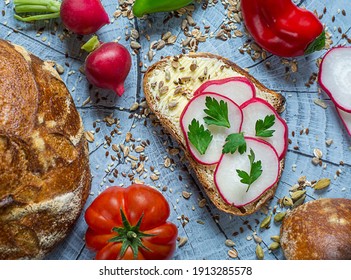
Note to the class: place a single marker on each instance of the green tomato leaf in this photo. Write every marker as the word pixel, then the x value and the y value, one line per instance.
pixel 217 112
pixel 199 137
pixel 262 126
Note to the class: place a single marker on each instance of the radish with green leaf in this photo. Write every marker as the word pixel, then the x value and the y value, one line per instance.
pixel 243 176
pixel 205 122
pixel 80 16
pixel 238 89
pixel 108 64
pixel 261 120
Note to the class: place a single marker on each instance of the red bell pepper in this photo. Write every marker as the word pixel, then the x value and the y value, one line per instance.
pixel 282 28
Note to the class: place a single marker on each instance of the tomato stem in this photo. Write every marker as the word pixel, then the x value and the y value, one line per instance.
pixel 129 236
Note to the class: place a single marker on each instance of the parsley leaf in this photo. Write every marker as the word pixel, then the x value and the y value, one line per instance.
pixel 234 141
pixel 262 126
pixel 217 112
pixel 199 137
pixel 255 171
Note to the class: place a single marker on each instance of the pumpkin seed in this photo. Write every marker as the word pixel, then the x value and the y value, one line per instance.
pixel 266 221
pixel 259 252
pixel 279 217
pixel 322 184
pixel 274 246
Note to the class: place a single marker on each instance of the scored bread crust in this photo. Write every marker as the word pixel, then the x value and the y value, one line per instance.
pixel 44 166
pixel 168 86
pixel 318 230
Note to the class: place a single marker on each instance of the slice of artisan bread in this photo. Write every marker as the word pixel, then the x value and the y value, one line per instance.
pixel 168 86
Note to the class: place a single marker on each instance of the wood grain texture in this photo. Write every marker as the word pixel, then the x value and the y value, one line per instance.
pixel 208 228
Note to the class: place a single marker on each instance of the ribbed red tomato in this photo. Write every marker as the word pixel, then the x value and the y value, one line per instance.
pixel 130 223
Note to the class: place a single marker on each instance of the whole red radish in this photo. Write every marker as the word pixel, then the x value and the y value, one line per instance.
pixel 80 16
pixel 83 16
pixel 108 65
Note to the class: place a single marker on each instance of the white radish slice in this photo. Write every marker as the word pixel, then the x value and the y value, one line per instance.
pixel 346 119
pixel 227 179
pixel 195 110
pixel 256 109
pixel 238 89
pixel 335 76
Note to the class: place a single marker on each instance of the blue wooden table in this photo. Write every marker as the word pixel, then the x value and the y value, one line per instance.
pixel 310 115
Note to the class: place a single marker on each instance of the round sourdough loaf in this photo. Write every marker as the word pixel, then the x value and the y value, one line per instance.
pixel 318 230
pixel 44 167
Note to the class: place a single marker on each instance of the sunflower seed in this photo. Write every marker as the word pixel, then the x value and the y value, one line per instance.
pixel 229 243
pixel 182 241
pixel 233 253
pixel 89 136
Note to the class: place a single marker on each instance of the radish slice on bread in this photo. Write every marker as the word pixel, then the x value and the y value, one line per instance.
pixel 346 119
pixel 194 115
pixel 335 76
pixel 238 89
pixel 258 110
pixel 229 182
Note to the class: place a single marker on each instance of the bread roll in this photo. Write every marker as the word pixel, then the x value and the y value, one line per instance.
pixel 44 167
pixel 318 230
pixel 215 67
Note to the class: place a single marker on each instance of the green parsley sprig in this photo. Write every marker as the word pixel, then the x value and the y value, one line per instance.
pixel 233 142
pixel 262 126
pixel 199 137
pixel 217 112
pixel 255 171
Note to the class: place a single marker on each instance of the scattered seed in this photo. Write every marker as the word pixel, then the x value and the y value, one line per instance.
pixel 182 241
pixel 233 253
pixel 298 194
pixel 257 238
pixel 202 203
pixel 259 252
pixel 274 246
pixel 186 194
pixel 89 136
pixel 266 221
pixel 322 184
pixel 279 217
pixel 287 201
pixel 229 243
pixel 318 153
pixel 135 45
pixel 320 103
pixel 276 238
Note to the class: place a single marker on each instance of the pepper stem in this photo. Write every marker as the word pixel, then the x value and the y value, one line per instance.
pixel 49 8
pixel 317 45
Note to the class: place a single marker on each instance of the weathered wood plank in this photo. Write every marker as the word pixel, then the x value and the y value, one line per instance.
pixel 208 228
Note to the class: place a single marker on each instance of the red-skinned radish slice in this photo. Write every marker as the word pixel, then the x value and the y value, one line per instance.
pixel 195 110
pixel 345 118
pixel 335 76
pixel 238 89
pixel 257 109
pixel 227 179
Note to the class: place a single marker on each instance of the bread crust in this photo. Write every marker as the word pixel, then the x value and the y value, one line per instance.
pixel 44 168
pixel 318 230
pixel 204 173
